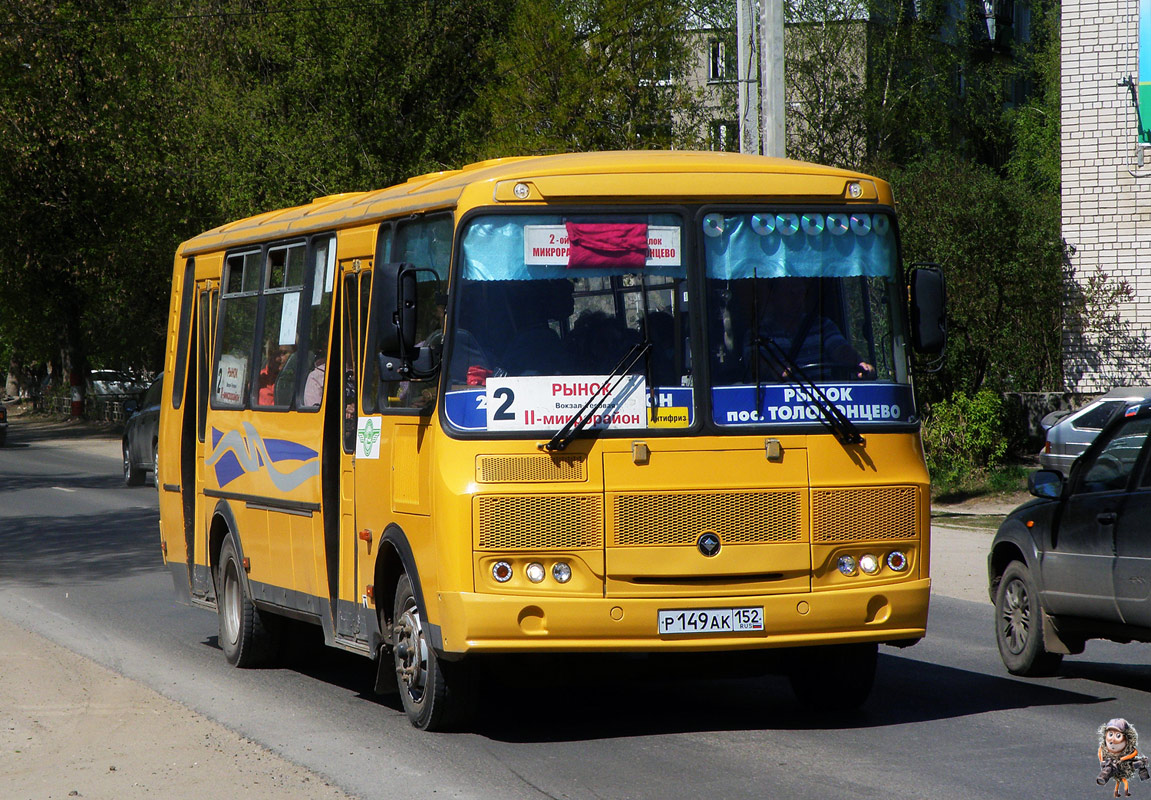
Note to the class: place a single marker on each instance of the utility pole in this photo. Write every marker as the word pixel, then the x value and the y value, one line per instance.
pixel 771 96
pixel 747 75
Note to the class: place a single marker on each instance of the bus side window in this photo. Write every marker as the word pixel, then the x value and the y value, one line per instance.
pixel 323 276
pixel 276 382
pixel 425 243
pixel 237 328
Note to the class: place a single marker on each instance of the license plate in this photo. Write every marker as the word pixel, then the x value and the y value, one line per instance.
pixel 710 620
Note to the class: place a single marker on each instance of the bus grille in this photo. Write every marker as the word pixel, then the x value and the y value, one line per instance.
pixel 540 468
pixel 863 515
pixel 551 522
pixel 738 518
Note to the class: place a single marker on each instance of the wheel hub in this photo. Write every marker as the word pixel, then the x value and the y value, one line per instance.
pixel 411 654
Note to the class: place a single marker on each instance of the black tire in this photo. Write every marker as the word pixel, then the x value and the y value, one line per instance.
pixel 437 695
pixel 1019 625
pixel 246 637
pixel 833 677
pixel 133 475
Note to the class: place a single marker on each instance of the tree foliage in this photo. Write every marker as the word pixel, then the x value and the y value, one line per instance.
pixel 130 125
pixel 579 75
pixel 993 237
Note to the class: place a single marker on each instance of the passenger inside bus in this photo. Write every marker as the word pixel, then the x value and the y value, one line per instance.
pixel 277 358
pixel 793 331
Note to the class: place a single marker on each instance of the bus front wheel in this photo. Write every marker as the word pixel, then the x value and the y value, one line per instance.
pixel 833 676
pixel 437 695
pixel 245 637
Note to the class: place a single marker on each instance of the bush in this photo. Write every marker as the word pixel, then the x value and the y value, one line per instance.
pixel 965 434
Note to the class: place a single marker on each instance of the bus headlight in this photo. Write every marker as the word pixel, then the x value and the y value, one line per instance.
pixel 847 565
pixel 869 564
pixel 562 572
pixel 535 572
pixel 897 561
pixel 502 571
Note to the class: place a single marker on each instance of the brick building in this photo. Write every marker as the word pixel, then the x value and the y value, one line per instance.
pixel 1106 194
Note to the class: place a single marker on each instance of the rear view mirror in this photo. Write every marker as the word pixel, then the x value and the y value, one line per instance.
pixel 396 284
pixel 928 309
pixel 1045 483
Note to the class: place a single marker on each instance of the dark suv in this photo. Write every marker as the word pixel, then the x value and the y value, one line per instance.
pixel 1075 563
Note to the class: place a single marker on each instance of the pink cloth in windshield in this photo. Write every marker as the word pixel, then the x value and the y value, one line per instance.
pixel 607 245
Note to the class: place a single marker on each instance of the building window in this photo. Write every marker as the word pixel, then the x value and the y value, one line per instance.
pixel 720 62
pixel 725 135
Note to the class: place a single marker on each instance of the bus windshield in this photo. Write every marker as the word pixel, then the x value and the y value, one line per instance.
pixel 795 298
pixel 547 305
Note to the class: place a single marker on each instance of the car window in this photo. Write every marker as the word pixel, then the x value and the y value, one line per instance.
pixel 152 398
pixel 1112 465
pixel 1095 418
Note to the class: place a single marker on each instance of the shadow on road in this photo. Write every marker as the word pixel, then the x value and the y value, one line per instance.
pixel 906 691
pixel 1129 676
pixel 26 431
pixel 25 481
pixel 538 699
pixel 51 551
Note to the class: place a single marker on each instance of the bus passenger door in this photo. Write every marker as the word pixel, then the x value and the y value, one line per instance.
pixel 349 606
pixel 192 461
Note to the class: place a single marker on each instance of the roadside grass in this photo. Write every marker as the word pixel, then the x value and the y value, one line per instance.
pixel 990 482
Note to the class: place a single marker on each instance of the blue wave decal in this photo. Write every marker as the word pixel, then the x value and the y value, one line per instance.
pixel 235 454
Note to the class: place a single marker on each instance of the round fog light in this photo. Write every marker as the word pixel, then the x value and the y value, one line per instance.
pixel 562 572
pixel 502 571
pixel 897 561
pixel 869 564
pixel 535 572
pixel 847 565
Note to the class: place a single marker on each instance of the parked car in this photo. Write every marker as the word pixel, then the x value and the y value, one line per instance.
pixel 1069 433
pixel 113 383
pixel 140 434
pixel 1071 564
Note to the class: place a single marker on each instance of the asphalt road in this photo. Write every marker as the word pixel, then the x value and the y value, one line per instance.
pixel 80 564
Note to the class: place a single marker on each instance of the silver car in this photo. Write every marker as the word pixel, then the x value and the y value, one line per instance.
pixel 1070 433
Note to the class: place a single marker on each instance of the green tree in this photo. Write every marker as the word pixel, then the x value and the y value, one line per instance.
pixel 578 75
pixel 1001 254
pixel 126 127
pixel 88 183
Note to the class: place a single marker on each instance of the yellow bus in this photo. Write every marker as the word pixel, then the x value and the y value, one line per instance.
pixel 607 402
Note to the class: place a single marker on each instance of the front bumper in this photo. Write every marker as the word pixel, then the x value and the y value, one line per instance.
pixel 470 622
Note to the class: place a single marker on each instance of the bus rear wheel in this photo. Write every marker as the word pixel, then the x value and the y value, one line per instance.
pixel 437 695
pixel 245 636
pixel 833 676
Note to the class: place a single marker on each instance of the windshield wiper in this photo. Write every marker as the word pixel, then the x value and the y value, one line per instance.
pixel 563 437
pixel 843 428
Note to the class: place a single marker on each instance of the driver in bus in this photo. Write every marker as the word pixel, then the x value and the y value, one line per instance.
pixel 791 318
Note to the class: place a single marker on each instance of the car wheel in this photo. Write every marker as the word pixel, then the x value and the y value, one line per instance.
pixel 1019 625
pixel 133 475
pixel 834 676
pixel 245 636
pixel 437 695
